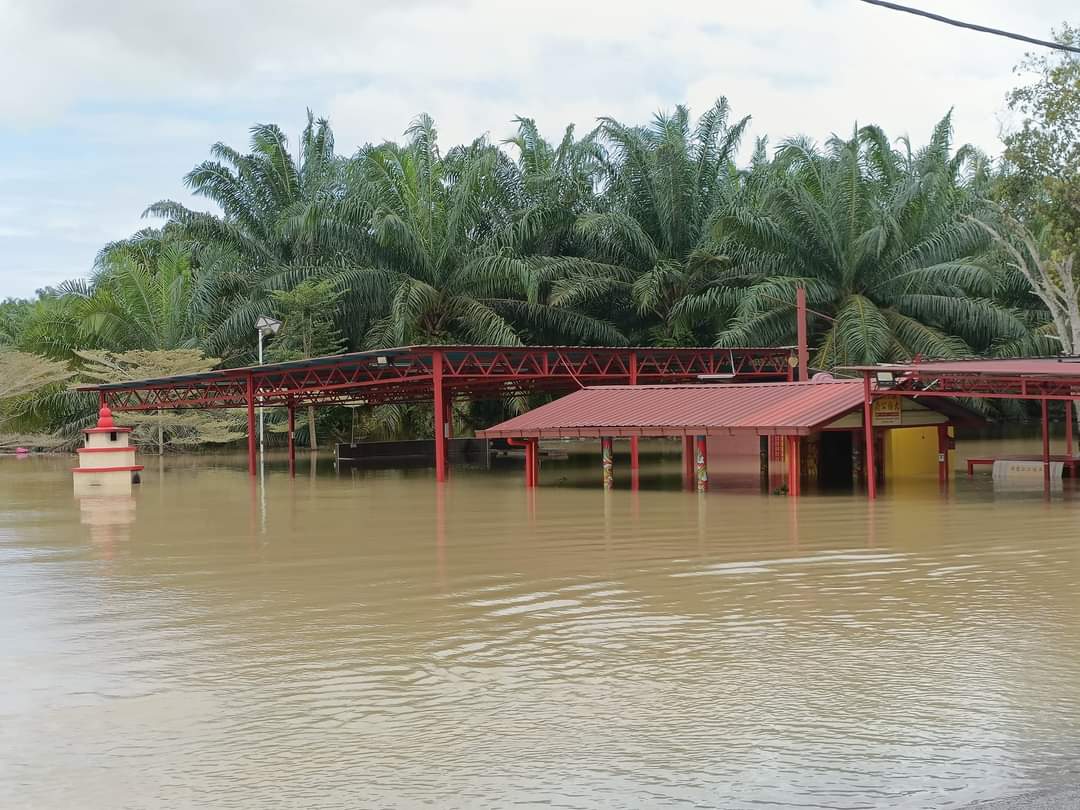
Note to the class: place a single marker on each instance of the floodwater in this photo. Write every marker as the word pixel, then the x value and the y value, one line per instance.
pixel 373 640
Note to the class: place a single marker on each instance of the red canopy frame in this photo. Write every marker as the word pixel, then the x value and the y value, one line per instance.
pixel 1043 379
pixel 438 374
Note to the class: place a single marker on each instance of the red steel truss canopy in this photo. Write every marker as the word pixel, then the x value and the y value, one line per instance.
pixel 1012 378
pixel 408 374
pixel 1039 378
pixel 437 374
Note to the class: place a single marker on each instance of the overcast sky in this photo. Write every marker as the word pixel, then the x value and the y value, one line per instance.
pixel 105 104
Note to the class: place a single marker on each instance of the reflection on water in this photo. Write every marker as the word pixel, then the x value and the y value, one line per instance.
pixel 372 640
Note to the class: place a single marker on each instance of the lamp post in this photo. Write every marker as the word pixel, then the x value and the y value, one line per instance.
pixel 264 325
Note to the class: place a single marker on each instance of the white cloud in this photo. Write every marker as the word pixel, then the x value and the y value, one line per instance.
pixel 108 102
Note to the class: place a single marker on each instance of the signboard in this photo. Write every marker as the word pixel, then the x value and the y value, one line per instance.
pixel 887 411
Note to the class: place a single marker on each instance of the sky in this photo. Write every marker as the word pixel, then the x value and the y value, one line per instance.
pixel 106 104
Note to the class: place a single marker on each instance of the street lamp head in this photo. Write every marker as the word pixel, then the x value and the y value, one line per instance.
pixel 267 325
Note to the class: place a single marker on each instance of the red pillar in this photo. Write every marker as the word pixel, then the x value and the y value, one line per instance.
pixel 292 439
pixel 440 415
pixel 794 446
pixel 1046 439
pixel 634 460
pixel 804 351
pixel 1069 428
pixel 251 423
pixel 868 435
pixel 534 463
pixel 943 454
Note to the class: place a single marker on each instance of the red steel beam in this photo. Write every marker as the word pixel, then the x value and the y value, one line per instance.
pixel 408 376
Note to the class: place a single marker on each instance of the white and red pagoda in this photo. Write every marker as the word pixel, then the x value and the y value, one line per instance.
pixel 107 462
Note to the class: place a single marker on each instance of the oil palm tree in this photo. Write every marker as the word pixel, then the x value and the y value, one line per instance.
pixel 247 251
pixel 881 240
pixel 440 267
pixel 650 245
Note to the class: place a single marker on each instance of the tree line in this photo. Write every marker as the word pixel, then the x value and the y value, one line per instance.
pixel 652 234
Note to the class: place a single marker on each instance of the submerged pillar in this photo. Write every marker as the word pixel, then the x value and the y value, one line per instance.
pixel 251 423
pixel 440 415
pixel 532 459
pixel 868 436
pixel 292 439
pixel 794 453
pixel 701 464
pixel 635 459
pixel 688 461
pixel 943 454
pixel 1046 440
pixel 1069 428
pixel 607 461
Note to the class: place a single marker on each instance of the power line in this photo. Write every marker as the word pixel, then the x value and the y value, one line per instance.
pixel 972 26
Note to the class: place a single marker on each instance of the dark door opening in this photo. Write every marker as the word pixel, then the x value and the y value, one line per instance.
pixel 835 466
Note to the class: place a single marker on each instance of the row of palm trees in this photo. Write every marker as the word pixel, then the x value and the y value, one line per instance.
pixel 647 234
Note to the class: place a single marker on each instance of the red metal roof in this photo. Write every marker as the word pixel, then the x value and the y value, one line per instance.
pixel 667 410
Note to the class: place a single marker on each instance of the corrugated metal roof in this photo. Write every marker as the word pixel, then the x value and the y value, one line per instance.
pixel 664 410
pixel 1062 367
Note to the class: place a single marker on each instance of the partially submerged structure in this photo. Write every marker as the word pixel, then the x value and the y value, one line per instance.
pixel 107 461
pixel 815 427
pixel 436 375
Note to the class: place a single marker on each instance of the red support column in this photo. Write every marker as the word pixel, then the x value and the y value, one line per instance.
pixel 634 459
pixel 943 454
pixel 868 435
pixel 440 415
pixel 701 464
pixel 534 461
pixel 251 423
pixel 804 351
pixel 794 445
pixel 100 400
pixel 1069 429
pixel 292 439
pixel 1046 440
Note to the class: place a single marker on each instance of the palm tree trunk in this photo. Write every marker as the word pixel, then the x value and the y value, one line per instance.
pixel 160 434
pixel 313 441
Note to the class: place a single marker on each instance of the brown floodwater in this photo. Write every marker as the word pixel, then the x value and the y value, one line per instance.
pixel 369 639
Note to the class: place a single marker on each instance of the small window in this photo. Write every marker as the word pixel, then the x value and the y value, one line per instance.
pixel 112 436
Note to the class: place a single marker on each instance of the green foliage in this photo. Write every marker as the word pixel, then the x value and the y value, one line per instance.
pixel 1041 181
pixel 651 234
pixel 307 315
pixel 881 239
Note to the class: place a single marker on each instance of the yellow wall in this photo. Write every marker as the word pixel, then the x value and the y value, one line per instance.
pixel 911 452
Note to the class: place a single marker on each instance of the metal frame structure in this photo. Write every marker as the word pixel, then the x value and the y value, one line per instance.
pixel 436 374
pixel 787 411
pixel 1041 379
